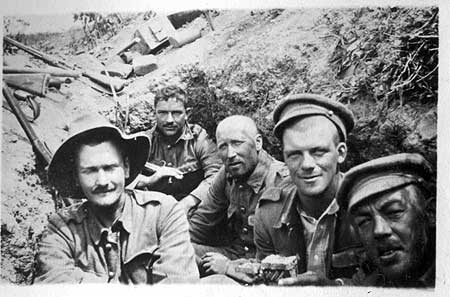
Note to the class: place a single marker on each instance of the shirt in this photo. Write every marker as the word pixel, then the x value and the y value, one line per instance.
pixel 317 234
pixel 194 154
pixel 227 213
pixel 76 248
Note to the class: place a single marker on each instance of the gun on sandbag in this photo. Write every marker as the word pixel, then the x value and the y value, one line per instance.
pixel 103 83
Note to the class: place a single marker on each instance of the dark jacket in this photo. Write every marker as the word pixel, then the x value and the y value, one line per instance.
pixel 279 230
pixel 194 154
pixel 227 215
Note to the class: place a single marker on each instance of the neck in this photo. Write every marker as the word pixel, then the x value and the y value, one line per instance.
pixel 108 215
pixel 315 205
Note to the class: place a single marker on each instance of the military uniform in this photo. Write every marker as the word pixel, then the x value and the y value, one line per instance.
pixel 224 221
pixel 333 251
pixel 194 154
pixel 77 249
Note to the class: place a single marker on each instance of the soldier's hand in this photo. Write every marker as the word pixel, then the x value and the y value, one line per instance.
pixel 240 276
pixel 215 263
pixel 308 278
pixel 165 171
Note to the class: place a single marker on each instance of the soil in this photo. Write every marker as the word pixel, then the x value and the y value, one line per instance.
pixel 254 38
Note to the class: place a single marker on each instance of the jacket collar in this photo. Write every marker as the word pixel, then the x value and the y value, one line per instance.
pixel 256 179
pixel 289 214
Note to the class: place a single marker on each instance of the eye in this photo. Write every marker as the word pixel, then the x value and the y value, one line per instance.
pixel 394 213
pixel 236 142
pixel 319 152
pixel 177 113
pixel 362 222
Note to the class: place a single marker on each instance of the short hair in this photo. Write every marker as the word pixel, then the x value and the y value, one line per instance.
pixel 171 91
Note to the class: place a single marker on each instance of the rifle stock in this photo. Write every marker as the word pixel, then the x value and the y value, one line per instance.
pixel 100 79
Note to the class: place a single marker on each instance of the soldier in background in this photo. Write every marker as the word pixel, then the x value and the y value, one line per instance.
pixel 186 156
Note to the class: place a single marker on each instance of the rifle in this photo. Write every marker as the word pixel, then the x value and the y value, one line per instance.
pixel 101 80
pixel 38 146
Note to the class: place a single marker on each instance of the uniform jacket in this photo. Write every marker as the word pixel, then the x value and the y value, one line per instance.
pixel 227 213
pixel 279 230
pixel 73 249
pixel 194 154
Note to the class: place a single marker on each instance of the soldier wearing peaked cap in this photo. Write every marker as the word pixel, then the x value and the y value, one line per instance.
pixel 115 235
pixel 301 216
pixel 391 203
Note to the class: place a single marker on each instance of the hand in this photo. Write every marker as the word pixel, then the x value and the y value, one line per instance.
pixel 164 171
pixel 188 203
pixel 308 278
pixel 240 276
pixel 215 263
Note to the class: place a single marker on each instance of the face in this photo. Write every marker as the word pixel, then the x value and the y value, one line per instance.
pixel 101 173
pixel 393 232
pixel 238 149
pixel 311 152
pixel 170 117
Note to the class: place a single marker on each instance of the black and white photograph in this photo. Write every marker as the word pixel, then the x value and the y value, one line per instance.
pixel 269 150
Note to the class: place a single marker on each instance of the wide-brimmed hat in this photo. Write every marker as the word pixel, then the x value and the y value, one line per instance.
pixel 304 105
pixel 61 169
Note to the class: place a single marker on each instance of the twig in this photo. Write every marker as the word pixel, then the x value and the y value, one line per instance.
pixel 429 73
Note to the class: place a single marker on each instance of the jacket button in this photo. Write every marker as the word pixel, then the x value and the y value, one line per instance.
pixel 242 209
pixel 244 230
pixel 169 164
pixel 108 247
pixel 246 249
pixel 111 274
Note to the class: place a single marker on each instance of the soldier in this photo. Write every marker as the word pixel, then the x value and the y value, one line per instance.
pixel 186 156
pixel 115 235
pixel 301 216
pixel 222 227
pixel 391 204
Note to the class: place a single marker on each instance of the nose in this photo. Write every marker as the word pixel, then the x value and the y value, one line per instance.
pixel 231 153
pixel 308 162
pixel 102 178
pixel 169 117
pixel 381 227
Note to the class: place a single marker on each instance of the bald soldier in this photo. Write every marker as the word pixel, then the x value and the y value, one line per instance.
pixel 222 227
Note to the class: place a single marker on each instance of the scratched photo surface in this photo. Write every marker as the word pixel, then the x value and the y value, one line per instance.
pixel 381 62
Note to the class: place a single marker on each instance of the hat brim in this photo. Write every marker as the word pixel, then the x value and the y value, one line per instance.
pixel 61 172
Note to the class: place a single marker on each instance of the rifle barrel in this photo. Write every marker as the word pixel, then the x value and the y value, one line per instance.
pixel 35 142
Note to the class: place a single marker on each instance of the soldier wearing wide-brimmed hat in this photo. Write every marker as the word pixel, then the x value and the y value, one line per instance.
pixel 301 217
pixel 391 203
pixel 114 234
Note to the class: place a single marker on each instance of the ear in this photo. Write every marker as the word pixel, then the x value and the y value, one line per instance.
pixel 188 112
pixel 342 152
pixel 126 167
pixel 258 142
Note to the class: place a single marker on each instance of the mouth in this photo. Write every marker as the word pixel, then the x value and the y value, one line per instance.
pixel 234 165
pixel 103 192
pixel 387 254
pixel 310 178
